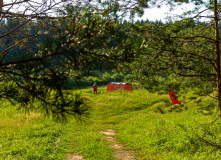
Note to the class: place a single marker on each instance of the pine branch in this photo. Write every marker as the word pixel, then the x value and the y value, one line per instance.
pixel 194 75
pixel 207 38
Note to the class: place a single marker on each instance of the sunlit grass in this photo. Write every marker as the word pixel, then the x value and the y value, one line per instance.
pixel 145 122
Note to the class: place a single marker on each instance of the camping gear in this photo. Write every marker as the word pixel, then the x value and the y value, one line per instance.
pixel 113 86
pixel 173 97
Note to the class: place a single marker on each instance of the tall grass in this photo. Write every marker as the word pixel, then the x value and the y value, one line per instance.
pixel 28 136
pixel 145 122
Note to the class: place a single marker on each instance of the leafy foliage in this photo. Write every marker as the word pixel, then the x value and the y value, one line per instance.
pixel 175 54
pixel 39 51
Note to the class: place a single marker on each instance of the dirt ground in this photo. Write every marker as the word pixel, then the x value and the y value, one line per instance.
pixel 119 152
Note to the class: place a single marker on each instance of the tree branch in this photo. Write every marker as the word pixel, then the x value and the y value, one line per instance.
pixel 196 75
pixel 22 41
pixel 21 75
pixel 15 29
pixel 9 4
pixel 212 40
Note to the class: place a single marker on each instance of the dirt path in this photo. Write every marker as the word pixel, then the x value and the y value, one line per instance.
pixel 119 153
pixel 74 157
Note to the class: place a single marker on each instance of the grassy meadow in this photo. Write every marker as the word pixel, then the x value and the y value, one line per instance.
pixel 144 122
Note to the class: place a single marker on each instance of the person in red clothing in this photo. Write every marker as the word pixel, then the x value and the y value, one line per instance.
pixel 95 88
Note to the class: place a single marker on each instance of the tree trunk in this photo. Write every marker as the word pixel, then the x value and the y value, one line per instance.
pixel 217 50
pixel 1 5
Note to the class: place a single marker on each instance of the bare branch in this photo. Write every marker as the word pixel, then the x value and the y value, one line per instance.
pixel 9 4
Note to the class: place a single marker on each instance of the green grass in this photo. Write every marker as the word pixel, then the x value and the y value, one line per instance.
pixel 145 122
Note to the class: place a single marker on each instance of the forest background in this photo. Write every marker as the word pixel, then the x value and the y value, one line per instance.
pixel 51 47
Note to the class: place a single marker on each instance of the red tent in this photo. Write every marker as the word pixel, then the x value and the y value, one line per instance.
pixel 112 86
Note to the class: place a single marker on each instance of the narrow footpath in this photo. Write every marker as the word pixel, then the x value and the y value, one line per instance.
pixel 119 152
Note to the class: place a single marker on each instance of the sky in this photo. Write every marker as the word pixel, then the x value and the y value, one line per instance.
pixel 155 13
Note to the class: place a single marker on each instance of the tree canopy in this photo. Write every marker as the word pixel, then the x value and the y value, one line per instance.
pixel 43 43
pixel 188 47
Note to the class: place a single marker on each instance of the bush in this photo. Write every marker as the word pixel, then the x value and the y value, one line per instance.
pixel 101 79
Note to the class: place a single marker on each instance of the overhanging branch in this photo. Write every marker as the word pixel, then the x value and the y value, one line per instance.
pixel 195 75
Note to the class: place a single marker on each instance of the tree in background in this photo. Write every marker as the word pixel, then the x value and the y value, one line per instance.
pixel 42 43
pixel 188 48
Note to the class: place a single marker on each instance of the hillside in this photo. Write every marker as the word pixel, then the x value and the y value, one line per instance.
pixel 145 123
